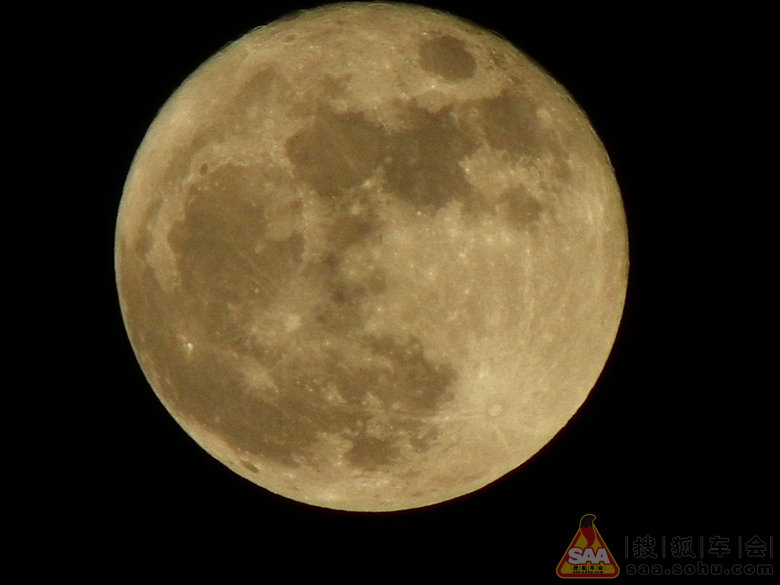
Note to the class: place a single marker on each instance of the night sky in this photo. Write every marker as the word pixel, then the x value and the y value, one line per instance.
pixel 676 438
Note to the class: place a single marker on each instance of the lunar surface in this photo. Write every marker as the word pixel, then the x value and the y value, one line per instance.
pixel 371 257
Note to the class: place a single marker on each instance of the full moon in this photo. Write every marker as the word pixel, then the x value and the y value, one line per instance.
pixel 371 257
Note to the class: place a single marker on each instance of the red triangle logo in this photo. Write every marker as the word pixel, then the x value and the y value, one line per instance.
pixel 587 557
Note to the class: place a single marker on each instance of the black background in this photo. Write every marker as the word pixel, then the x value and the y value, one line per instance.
pixel 677 438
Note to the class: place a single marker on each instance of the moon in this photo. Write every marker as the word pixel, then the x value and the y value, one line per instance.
pixel 371 257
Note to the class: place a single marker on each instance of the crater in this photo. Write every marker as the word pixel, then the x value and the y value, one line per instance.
pixel 179 159
pixel 447 57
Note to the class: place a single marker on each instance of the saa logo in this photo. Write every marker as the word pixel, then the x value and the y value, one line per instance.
pixel 587 557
